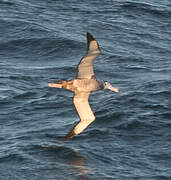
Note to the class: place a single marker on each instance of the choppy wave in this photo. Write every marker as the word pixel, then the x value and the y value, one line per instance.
pixel 43 42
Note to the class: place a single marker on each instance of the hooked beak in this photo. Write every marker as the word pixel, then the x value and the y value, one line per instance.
pixel 113 89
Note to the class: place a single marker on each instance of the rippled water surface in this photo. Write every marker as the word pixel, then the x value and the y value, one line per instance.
pixel 43 41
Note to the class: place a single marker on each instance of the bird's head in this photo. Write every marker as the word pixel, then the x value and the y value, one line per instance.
pixel 107 85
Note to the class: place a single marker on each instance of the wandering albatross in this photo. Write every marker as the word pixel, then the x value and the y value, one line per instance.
pixel 82 85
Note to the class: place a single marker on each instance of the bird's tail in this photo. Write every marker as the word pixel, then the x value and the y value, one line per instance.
pixel 58 84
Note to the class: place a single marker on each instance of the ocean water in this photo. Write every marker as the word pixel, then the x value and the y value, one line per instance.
pixel 42 41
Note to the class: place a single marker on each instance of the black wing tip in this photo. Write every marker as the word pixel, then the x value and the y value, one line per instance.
pixel 90 37
pixel 69 136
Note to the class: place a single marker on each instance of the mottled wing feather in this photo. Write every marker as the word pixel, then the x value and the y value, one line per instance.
pixel 85 113
pixel 85 67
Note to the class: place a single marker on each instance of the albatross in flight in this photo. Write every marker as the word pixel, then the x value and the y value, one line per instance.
pixel 82 85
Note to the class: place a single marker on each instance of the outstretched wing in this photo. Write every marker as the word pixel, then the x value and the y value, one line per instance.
pixel 85 113
pixel 85 67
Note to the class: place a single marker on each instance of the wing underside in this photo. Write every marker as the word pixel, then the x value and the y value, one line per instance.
pixel 85 113
pixel 85 67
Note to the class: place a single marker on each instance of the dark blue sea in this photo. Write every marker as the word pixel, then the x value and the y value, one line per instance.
pixel 41 42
